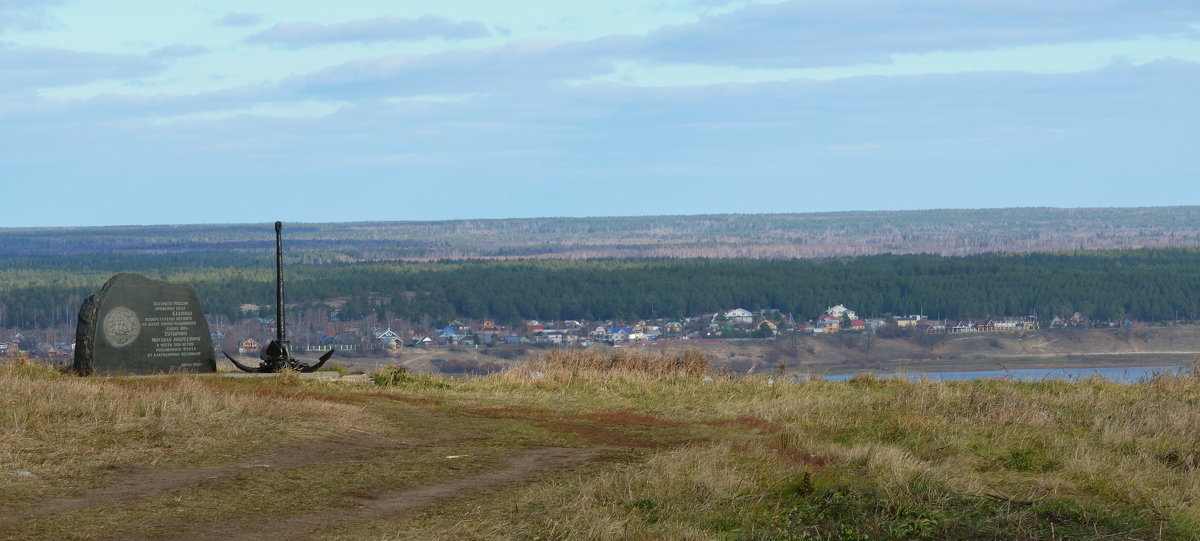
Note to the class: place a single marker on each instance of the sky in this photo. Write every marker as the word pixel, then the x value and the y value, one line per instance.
pixel 136 112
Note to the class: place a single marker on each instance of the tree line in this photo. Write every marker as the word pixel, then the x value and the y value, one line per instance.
pixel 949 232
pixel 1145 284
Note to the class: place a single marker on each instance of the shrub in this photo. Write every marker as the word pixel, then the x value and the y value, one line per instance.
pixel 397 376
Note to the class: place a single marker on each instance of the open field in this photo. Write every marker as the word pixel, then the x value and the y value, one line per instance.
pixel 590 446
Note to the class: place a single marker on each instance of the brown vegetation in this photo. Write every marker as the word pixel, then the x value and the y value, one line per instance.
pixel 688 362
pixel 596 447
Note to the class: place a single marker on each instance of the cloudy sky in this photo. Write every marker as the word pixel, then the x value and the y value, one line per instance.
pixel 151 112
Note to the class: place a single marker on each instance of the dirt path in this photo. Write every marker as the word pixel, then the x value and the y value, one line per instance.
pixel 401 502
pixel 143 481
pixel 377 505
pixel 520 468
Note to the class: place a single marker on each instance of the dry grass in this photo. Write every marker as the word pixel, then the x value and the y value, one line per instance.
pixel 669 495
pixel 73 432
pixel 689 456
pixel 871 459
pixel 585 363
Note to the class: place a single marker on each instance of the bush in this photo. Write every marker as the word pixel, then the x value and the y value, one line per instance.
pixel 390 375
pixel 397 376
pixel 20 365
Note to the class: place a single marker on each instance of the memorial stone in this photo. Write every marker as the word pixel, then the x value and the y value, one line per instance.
pixel 137 325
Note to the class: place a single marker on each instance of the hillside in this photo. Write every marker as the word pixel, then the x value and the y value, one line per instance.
pixel 594 447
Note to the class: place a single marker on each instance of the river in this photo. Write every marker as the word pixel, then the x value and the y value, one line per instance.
pixel 1121 374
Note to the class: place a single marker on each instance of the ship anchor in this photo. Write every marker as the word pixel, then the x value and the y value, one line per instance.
pixel 277 356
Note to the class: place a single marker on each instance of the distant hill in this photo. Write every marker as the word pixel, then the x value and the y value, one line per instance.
pixel 759 236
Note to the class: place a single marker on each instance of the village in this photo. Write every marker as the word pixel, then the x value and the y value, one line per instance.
pixel 369 336
pixel 733 324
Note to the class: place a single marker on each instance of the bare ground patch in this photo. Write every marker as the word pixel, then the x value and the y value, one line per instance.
pixel 138 481
pixel 617 429
pixel 403 502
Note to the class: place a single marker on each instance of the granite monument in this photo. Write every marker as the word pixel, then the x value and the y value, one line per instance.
pixel 138 325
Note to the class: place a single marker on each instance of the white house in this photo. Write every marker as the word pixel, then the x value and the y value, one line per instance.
pixel 740 316
pixel 389 338
pixel 839 311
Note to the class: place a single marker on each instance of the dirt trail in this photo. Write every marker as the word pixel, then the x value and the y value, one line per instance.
pixel 519 468
pixel 398 503
pixel 388 504
pixel 143 481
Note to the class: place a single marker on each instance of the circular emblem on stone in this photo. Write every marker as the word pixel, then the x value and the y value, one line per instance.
pixel 121 327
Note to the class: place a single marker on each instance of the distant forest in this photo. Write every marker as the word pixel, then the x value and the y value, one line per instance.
pixel 39 291
pixel 732 236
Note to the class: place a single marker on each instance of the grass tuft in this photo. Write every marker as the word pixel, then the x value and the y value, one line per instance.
pixel 21 366
pixel 397 376
pixel 561 364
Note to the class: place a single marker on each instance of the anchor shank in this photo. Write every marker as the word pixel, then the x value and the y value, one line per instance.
pixel 280 322
pixel 276 357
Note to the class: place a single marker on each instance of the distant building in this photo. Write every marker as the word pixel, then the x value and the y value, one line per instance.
pixel 829 321
pixel 389 338
pixel 489 326
pixel 739 316
pixel 421 341
pixel 840 311
pixel 249 345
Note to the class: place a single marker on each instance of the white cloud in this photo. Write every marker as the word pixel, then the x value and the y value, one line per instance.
pixel 757 42
pixel 239 19
pixel 511 67
pixel 807 33
pixel 27 68
pixel 25 14
pixel 177 51
pixel 475 119
pixel 299 35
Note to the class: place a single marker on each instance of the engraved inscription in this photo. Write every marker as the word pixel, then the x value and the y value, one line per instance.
pixel 178 331
pixel 121 327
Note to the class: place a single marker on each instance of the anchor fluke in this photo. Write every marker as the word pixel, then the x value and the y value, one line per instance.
pixel 240 366
pixel 278 364
pixel 320 361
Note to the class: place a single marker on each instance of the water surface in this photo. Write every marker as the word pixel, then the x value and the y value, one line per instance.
pixel 1120 374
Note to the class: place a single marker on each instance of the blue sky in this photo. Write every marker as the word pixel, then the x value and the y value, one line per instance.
pixel 138 112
